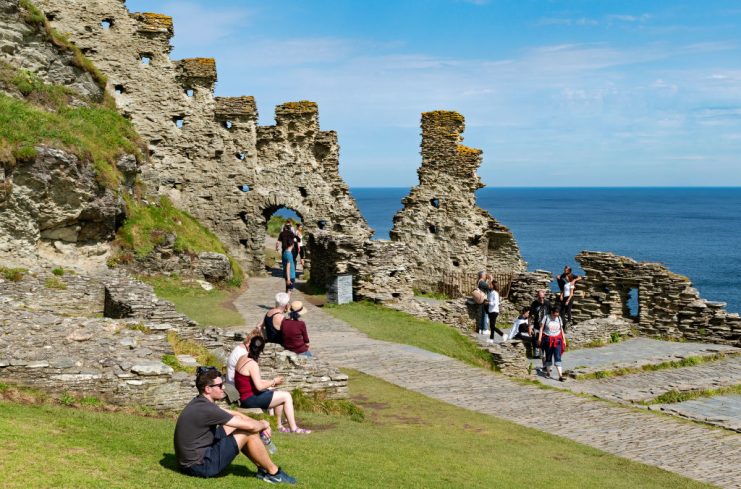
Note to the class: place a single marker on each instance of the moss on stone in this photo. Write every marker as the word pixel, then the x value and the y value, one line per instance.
pixel 466 151
pixel 443 116
pixel 158 21
pixel 302 106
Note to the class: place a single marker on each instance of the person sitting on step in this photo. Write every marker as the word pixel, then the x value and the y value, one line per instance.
pixel 254 391
pixel 293 329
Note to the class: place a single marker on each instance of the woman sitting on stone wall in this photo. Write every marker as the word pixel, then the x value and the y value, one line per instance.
pixel 254 392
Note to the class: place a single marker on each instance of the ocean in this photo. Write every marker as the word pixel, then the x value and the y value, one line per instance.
pixel 694 231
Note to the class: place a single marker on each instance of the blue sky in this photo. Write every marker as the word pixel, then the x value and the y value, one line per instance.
pixel 556 93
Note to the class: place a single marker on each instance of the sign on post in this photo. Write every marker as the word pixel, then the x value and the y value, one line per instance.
pixel 340 292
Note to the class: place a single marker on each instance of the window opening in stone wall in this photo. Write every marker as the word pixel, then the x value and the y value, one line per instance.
pixel 276 217
pixel 432 228
pixel 435 203
pixel 632 303
pixel 456 263
pixel 189 92
pixel 179 121
pixel 119 89
pixel 321 224
pixel 303 191
pixel 145 58
pixel 241 155
pixel 106 23
pixel 228 124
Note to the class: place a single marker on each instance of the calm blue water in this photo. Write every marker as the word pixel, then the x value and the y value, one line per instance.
pixel 694 231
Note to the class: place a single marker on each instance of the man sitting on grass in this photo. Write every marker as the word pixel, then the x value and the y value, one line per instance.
pixel 208 438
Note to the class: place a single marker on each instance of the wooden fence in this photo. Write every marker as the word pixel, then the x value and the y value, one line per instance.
pixel 461 284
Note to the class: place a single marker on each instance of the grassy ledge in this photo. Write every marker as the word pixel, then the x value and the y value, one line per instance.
pixel 209 308
pixel 406 440
pixel 690 361
pixel 675 396
pixel 381 323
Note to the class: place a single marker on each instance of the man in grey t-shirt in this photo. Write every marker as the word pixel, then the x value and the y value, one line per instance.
pixel 208 438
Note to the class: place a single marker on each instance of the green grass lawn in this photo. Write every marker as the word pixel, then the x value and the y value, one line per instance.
pixel 208 308
pixel 381 323
pixel 407 440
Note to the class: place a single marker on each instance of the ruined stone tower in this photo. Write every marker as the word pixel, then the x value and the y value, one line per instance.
pixel 208 153
pixel 440 223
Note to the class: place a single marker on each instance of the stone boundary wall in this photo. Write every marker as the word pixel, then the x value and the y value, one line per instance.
pixel 51 340
pixel 668 305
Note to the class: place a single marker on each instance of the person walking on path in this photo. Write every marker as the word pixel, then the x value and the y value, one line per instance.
pixel 254 391
pixel 286 237
pixel 493 311
pixel 298 248
pixel 208 438
pixel 483 286
pixel 539 309
pixel 553 342
pixel 289 268
pixel 295 336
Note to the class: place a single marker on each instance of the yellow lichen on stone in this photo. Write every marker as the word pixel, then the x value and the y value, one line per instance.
pixel 443 116
pixel 199 67
pixel 466 151
pixel 300 106
pixel 159 20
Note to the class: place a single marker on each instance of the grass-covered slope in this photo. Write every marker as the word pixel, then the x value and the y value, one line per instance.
pixel 406 440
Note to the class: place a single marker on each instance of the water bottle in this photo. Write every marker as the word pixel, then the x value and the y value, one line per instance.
pixel 268 443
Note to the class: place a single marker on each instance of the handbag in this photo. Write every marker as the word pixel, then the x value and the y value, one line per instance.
pixel 478 296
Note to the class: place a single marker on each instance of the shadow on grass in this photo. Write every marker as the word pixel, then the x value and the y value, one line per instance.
pixel 170 462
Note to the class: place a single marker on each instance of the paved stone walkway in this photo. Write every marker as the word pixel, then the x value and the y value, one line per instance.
pixel 723 411
pixel 691 450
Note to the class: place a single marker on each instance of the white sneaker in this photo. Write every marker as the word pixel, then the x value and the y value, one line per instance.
pixel 505 336
pixel 486 331
pixel 489 341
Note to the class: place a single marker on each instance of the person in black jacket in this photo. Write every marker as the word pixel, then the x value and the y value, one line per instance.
pixel 539 309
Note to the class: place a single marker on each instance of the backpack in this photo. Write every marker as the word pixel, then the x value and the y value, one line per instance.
pixel 478 296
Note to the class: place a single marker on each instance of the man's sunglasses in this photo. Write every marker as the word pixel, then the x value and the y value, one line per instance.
pixel 220 386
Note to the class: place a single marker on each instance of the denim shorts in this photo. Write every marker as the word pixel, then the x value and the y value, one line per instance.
pixel 216 457
pixel 258 401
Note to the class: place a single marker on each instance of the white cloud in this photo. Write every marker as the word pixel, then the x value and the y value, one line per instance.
pixel 628 18
pixel 199 27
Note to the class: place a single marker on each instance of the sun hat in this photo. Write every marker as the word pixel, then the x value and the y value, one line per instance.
pixel 298 308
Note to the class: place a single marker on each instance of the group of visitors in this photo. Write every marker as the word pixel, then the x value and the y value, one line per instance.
pixel 541 326
pixel 290 242
pixel 209 437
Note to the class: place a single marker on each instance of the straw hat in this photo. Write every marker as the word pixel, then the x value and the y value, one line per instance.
pixel 298 308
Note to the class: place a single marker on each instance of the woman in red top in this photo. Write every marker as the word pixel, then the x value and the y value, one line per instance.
pixel 295 337
pixel 254 391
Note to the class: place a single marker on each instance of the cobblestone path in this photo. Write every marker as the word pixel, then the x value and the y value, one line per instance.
pixel 692 450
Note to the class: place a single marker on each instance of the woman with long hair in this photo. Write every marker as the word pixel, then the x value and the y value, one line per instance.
pixel 492 302
pixel 254 391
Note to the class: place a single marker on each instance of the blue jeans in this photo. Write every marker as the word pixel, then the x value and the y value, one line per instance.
pixel 552 352
pixel 483 318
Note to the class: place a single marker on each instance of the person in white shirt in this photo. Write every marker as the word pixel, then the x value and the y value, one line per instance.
pixel 552 340
pixel 520 326
pixel 567 296
pixel 492 303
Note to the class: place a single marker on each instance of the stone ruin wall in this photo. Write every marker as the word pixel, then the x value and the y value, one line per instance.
pixel 668 305
pixel 440 223
pixel 219 148
pixel 57 340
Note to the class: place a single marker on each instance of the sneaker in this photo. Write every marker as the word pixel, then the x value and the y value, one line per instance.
pixel 562 379
pixel 279 477
pixel 486 331
pixel 505 336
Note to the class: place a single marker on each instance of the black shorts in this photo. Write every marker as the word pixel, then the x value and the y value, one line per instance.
pixel 217 457
pixel 258 401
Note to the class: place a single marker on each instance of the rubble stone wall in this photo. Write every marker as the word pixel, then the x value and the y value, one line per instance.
pixel 668 305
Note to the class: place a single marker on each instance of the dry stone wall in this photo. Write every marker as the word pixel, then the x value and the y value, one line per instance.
pixel 440 223
pixel 208 154
pixel 668 305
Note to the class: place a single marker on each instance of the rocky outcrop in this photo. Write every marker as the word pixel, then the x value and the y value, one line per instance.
pixel 440 223
pixel 55 197
pixel 26 45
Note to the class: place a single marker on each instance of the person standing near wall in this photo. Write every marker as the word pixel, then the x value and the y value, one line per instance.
pixel 289 268
pixel 567 297
pixel 483 286
pixel 539 309
pixel 492 303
